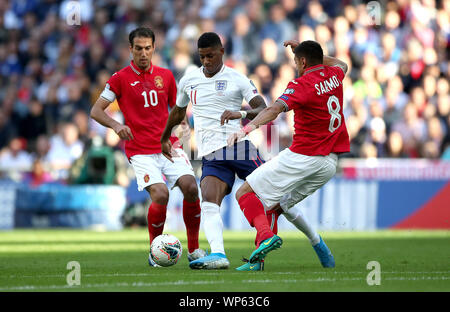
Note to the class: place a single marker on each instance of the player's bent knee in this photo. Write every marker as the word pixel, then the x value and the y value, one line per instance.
pixel 159 193
pixel 191 192
pixel 244 189
pixel 189 188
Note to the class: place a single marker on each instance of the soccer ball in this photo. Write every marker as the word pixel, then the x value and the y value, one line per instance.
pixel 165 250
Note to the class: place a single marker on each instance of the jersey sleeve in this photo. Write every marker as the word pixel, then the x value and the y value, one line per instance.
pixel 172 90
pixel 182 98
pixel 112 88
pixel 291 95
pixel 339 71
pixel 248 89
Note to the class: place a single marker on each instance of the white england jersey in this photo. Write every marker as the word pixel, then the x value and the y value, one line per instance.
pixel 210 97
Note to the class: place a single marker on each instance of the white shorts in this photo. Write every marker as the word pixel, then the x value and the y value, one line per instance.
pixel 149 169
pixel 290 177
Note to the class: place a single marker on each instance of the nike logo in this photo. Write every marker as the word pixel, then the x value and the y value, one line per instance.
pixel 134 83
pixel 158 225
pixel 193 87
pixel 252 266
pixel 270 240
pixel 198 216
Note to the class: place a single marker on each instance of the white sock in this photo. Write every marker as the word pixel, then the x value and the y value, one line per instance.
pixel 297 218
pixel 213 226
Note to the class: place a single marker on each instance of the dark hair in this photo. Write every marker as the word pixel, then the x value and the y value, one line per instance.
pixel 208 40
pixel 141 32
pixel 311 50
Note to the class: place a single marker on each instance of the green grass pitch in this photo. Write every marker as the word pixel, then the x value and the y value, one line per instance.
pixel 36 260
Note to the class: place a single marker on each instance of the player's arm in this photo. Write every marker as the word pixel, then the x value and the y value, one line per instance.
pixel 176 116
pixel 332 61
pixel 98 114
pixel 265 116
pixel 327 60
pixel 257 104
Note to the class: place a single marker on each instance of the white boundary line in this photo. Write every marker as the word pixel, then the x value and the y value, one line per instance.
pixel 185 283
pixel 211 273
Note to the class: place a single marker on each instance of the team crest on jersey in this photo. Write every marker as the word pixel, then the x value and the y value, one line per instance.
pixel 159 83
pixel 146 178
pixel 221 85
pixel 289 91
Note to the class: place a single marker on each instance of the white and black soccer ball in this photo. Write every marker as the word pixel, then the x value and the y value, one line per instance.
pixel 165 250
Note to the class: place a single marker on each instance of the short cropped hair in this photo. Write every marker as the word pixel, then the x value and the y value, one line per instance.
pixel 311 50
pixel 141 32
pixel 208 40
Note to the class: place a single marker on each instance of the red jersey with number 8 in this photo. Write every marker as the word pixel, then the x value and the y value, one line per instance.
pixel 144 98
pixel 317 99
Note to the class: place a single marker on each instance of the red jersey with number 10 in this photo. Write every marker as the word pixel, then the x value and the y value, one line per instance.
pixel 317 98
pixel 144 98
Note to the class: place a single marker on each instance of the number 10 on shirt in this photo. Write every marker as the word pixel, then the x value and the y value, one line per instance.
pixel 152 95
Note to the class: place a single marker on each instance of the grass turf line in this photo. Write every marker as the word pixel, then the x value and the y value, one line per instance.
pixel 35 260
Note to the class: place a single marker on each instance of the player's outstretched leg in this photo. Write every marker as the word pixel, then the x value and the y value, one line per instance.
pixel 272 218
pixel 266 246
pixel 297 218
pixel 253 211
pixel 324 254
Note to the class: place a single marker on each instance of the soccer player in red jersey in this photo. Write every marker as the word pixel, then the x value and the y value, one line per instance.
pixel 144 93
pixel 320 135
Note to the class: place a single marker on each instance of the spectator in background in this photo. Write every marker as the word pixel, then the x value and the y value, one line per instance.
pixel 412 130
pixel 315 15
pixel 34 123
pixel 7 129
pixel 43 57
pixel 65 148
pixel 377 136
pixel 368 151
pixel 242 42
pixel 357 134
pixel 15 159
pixel 367 86
pixel 38 174
pixel 42 147
pixel 278 28
pixel 395 145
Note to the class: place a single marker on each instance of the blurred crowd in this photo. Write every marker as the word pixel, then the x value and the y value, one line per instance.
pixel 396 94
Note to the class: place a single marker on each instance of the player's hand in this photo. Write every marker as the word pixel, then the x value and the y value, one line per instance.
pixel 166 149
pixel 229 115
pixel 124 132
pixel 292 43
pixel 237 136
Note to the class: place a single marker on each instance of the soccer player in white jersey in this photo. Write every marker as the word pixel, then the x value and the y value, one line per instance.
pixel 216 93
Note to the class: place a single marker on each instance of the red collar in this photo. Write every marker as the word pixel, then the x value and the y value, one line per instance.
pixel 313 68
pixel 139 71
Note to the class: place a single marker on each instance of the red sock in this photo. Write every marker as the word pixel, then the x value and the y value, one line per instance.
pixel 253 211
pixel 191 217
pixel 155 219
pixel 272 218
